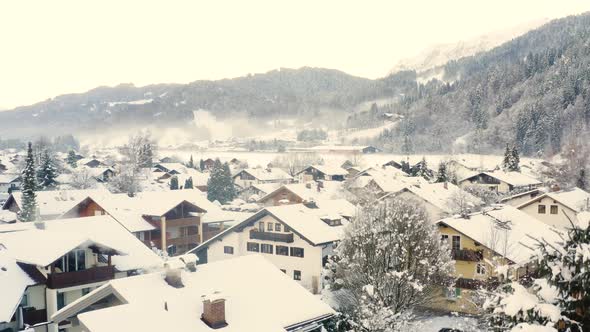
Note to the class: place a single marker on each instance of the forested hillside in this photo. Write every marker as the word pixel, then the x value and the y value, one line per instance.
pixel 533 91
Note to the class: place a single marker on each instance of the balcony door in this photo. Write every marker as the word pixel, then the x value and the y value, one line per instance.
pixel 75 260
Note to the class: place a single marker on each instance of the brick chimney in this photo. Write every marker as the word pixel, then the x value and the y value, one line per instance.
pixel 214 311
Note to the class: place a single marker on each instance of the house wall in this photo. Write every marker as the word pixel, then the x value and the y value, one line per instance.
pixel 558 220
pixel 310 265
pixel 92 209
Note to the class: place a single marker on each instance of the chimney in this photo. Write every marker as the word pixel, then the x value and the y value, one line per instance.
pixel 214 311
pixel 555 187
pixel 446 185
pixel 173 275
pixel 308 185
pixel 319 186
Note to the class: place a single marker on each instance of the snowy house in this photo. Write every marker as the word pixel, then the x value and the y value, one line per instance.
pixel 322 172
pixel 250 176
pixel 172 168
pixel 51 203
pixel 522 197
pixel 10 182
pixel 47 265
pixel 224 296
pixel 295 193
pixel 500 181
pixel 295 238
pixel 439 199
pixel 493 244
pixel 557 208
pixel 91 162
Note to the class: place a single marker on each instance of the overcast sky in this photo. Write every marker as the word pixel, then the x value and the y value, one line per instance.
pixel 54 47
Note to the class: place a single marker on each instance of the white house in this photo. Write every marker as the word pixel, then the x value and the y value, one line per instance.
pixel 502 182
pixel 295 238
pixel 240 294
pixel 249 176
pixel 49 264
pixel 554 208
pixel 322 172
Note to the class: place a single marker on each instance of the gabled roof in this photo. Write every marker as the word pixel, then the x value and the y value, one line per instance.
pixel 62 236
pixel 327 169
pixel 13 283
pixel 266 174
pixel 9 178
pixel 575 199
pixel 516 179
pixel 505 230
pixel 305 222
pixel 249 284
pixel 55 202
pixel 309 191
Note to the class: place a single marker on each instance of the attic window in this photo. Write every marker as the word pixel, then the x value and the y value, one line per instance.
pixel 332 221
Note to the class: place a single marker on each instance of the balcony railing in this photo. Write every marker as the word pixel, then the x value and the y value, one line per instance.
pixel 77 278
pixel 467 255
pixel 271 236
pixel 33 317
pixel 179 241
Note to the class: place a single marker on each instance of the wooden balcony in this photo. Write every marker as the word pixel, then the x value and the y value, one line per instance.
pixel 181 222
pixel 33 317
pixel 77 278
pixel 179 241
pixel 467 255
pixel 271 236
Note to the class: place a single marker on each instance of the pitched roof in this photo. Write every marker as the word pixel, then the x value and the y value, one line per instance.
pixel 516 179
pixel 440 195
pixel 328 169
pixel 9 178
pixel 56 202
pixel 505 230
pixel 62 236
pixel 309 191
pixel 576 199
pixel 268 290
pixel 13 283
pixel 267 174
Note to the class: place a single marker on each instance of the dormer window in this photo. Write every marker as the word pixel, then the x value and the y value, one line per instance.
pixel 332 221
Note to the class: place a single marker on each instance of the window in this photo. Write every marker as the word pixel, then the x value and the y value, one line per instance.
pixel 61 300
pixel 282 250
pixel 286 229
pixel 278 227
pixel 480 269
pixel 228 250
pixel 541 209
pixel 75 260
pixel 296 252
pixel 251 246
pixel 261 226
pixel 444 237
pixel 553 209
pixel 269 227
pixel 456 245
pixel 266 248
pixel 452 293
pixel 85 291
pixel 297 275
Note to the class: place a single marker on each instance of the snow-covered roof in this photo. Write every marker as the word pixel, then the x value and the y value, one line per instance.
pixel 7 216
pixel 505 230
pixel 516 179
pixel 13 283
pixel 173 167
pixel 54 203
pixel 267 174
pixel 440 195
pixel 266 188
pixel 61 236
pixel 9 178
pixel 309 191
pixel 576 199
pixel 328 169
pixel 250 285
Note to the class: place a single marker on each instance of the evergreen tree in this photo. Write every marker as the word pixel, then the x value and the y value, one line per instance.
pixel 47 173
pixel 29 185
pixel 421 169
pixel 220 186
pixel 581 182
pixel 146 155
pixel 515 160
pixel 507 158
pixel 191 163
pixel 174 183
pixel 442 174
pixel 201 165
pixel 71 160
pixel 188 183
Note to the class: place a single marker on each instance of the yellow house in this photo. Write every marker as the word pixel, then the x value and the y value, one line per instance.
pixel 490 245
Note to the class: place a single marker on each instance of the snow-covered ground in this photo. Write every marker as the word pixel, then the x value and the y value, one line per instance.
pixel 435 323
